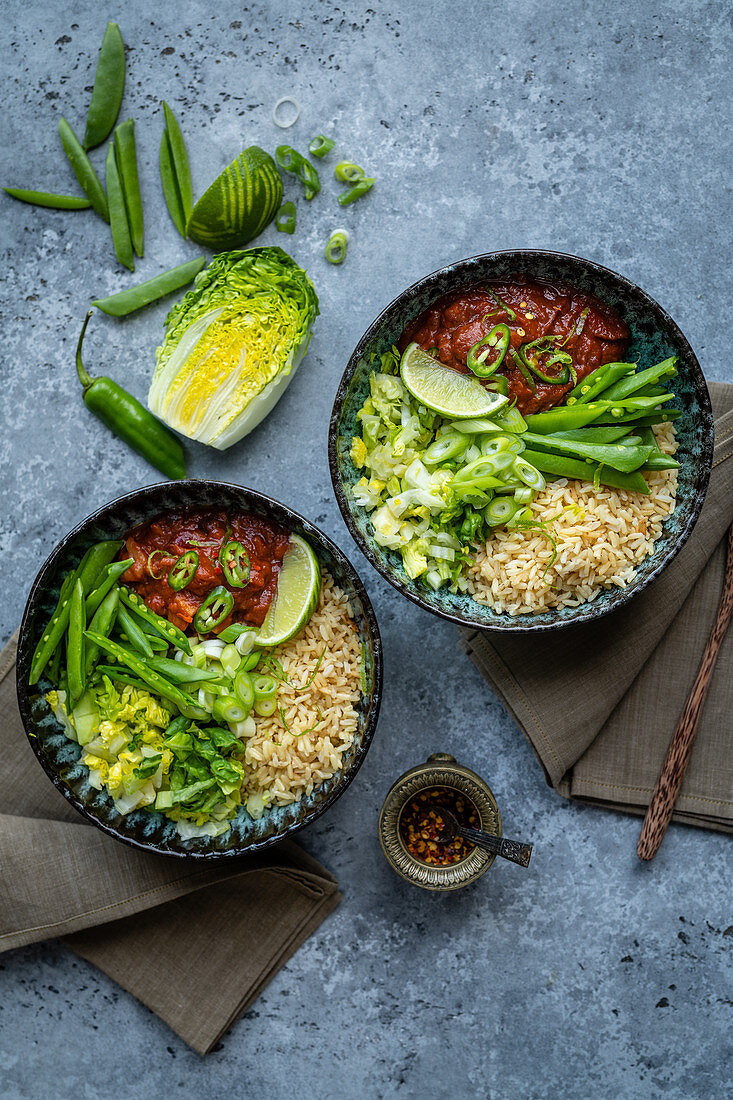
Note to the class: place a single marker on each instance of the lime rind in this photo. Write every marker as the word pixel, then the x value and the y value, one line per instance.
pixel 298 589
pixel 445 390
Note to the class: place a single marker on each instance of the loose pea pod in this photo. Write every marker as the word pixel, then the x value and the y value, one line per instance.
pixel 127 418
pixel 126 157
pixel 167 629
pixel 135 636
pixel 108 579
pixel 109 84
pixel 117 213
pixel 127 301
pixel 595 434
pixel 136 664
pixel 45 198
pixel 102 623
pixel 82 166
pixel 75 661
pixel 657 460
pixel 631 385
pixel 175 172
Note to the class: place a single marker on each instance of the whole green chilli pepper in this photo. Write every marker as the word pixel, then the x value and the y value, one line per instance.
pixel 163 626
pixel 135 635
pixel 214 610
pixel 127 418
pixel 75 662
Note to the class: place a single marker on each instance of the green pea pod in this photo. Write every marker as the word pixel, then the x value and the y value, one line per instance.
pixel 598 381
pixel 109 84
pixel 117 212
pixel 121 676
pixel 107 581
pixel 95 562
pixel 132 422
pixel 623 459
pixel 126 157
pixel 166 629
pixel 595 434
pixel 563 466
pixel 82 166
pixel 102 623
pixel 135 635
pixel 136 297
pixel 175 172
pixel 179 672
pixel 564 419
pixel 635 382
pixel 136 664
pixel 45 198
pixel 75 662
pixel 54 632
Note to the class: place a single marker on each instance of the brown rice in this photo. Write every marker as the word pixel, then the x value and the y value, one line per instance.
pixel 285 766
pixel 602 535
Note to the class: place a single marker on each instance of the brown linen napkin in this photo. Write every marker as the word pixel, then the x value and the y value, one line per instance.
pixel 599 702
pixel 196 943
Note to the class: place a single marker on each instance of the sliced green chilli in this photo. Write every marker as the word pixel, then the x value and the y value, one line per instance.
pixel 82 166
pixel 217 606
pixel 497 340
pixel 126 153
pixel 137 297
pixel 117 212
pixel 183 570
pixel 46 198
pixel 109 84
pixel 234 562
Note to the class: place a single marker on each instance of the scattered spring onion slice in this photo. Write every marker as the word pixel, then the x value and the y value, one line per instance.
pixel 286 218
pixel 348 172
pixel 360 188
pixel 320 146
pixel 294 162
pixel 336 247
pixel 284 124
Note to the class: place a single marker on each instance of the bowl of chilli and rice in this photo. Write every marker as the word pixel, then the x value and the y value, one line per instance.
pixel 301 772
pixel 608 544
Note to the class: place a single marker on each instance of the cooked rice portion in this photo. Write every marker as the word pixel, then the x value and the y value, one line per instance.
pixel 601 534
pixel 286 765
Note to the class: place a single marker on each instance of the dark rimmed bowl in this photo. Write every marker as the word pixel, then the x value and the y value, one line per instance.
pixel 60 757
pixel 654 336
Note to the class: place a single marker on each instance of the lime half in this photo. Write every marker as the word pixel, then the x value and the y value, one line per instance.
pixel 445 390
pixel 298 589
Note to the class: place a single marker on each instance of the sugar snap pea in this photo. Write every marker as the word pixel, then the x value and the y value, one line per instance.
pixel 107 581
pixel 563 466
pixel 109 84
pixel 102 623
pixel 175 172
pixel 135 636
pixel 136 664
pixel 75 661
pixel 136 297
pixel 117 212
pixel 82 166
pixel 180 672
pixel 121 676
pixel 126 157
pixel 54 632
pixel 594 434
pixel 563 418
pixel 95 561
pixel 623 459
pixel 167 629
pixel 598 381
pixel 634 382
pixel 45 198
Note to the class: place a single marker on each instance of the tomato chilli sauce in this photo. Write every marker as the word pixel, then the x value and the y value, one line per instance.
pixel 421 825
pixel 180 558
pixel 546 337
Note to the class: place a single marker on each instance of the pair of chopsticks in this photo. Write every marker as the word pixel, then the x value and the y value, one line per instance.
pixel 680 747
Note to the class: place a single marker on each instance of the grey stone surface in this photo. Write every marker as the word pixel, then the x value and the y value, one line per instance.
pixel 596 129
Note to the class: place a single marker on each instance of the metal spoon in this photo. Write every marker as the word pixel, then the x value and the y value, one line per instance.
pixel 512 850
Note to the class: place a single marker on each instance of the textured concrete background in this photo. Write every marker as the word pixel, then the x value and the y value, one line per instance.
pixel 592 128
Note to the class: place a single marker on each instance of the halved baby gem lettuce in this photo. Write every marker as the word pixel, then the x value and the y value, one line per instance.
pixel 232 345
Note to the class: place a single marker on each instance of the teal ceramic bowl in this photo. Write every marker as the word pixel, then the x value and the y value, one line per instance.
pixel 60 757
pixel 654 336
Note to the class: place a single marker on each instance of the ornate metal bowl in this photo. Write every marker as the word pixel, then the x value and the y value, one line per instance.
pixel 439 770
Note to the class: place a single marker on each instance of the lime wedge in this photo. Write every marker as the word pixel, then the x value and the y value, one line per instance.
pixel 298 589
pixel 239 203
pixel 445 390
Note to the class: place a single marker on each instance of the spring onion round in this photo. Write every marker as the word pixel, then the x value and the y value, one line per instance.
pixel 320 146
pixel 284 124
pixel 360 188
pixel 500 510
pixel 528 474
pixel 336 246
pixel 348 172
pixel 264 686
pixel 265 707
pixel 286 218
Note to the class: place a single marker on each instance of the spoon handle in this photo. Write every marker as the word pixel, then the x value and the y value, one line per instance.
pixel 680 747
pixel 512 850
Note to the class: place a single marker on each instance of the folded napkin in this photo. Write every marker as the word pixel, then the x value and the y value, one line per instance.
pixel 195 942
pixel 599 701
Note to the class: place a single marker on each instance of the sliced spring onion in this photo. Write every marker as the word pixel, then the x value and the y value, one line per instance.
pixel 528 474
pixel 294 162
pixel 445 447
pixel 336 247
pixel 286 218
pixel 243 689
pixel 264 686
pixel 320 146
pixel 524 496
pixel 501 444
pixel 245 643
pixel 285 123
pixel 360 188
pixel 266 707
pixel 500 510
pixel 511 420
pixel 348 172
